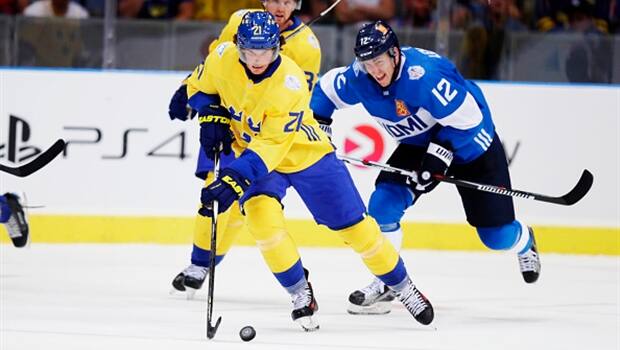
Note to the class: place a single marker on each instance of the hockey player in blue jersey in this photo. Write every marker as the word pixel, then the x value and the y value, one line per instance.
pixel 442 124
pixel 14 219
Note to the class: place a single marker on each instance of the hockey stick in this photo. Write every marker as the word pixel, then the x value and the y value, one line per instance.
pixel 573 196
pixel 212 329
pixel 39 162
pixel 310 22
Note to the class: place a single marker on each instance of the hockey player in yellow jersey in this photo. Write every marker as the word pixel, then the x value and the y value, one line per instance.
pixel 302 47
pixel 252 100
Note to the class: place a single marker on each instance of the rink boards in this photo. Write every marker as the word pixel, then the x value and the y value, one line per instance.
pixel 126 175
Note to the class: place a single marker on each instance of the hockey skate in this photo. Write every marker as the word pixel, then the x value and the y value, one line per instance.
pixel 374 299
pixel 190 280
pixel 16 225
pixel 416 303
pixel 304 307
pixel 529 262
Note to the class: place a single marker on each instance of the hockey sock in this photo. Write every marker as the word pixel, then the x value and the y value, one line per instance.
pixel 381 259
pixel 265 221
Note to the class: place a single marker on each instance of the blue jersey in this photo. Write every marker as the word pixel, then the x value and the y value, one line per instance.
pixel 428 101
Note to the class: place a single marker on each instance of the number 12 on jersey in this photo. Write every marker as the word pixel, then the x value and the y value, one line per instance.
pixel 443 92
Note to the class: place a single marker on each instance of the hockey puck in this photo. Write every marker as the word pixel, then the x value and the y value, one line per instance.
pixel 247 333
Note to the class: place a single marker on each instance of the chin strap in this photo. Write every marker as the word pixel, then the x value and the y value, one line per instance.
pixel 396 65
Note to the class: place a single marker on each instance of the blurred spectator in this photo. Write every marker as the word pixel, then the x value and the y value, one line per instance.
pixel 55 8
pixel 614 16
pixel 423 14
pixel 95 8
pixel 12 7
pixel 220 10
pixel 353 11
pixel 589 59
pixel 46 43
pixel 557 15
pixel 483 45
pixel 461 14
pixel 418 14
pixel 157 9
pixel 504 15
pixel 312 8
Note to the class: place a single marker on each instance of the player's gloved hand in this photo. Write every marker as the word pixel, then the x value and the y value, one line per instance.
pixel 178 108
pixel 325 125
pixel 229 187
pixel 435 162
pixel 215 129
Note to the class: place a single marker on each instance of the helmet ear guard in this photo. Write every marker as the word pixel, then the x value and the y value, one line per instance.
pixel 392 51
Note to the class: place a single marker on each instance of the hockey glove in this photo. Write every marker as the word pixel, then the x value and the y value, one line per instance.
pixel 325 125
pixel 215 129
pixel 178 107
pixel 229 187
pixel 435 162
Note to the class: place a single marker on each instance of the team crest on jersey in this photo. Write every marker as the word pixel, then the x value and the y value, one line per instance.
pixel 415 72
pixel 313 41
pixel 292 82
pixel 221 47
pixel 401 108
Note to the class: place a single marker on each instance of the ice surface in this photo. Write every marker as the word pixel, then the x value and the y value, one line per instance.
pixel 116 297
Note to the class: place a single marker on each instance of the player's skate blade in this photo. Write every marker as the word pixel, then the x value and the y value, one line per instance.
pixel 304 307
pixel 189 280
pixel 177 283
pixel 373 299
pixel 529 262
pixel 17 225
pixel 378 308
pixel 417 304
pixel 307 324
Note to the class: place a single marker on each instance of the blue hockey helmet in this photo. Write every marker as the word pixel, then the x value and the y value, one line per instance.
pixel 258 30
pixel 374 39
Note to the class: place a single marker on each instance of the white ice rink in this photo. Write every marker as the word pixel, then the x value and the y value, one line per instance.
pixel 116 297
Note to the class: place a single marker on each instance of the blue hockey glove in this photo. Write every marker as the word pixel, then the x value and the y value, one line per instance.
pixel 229 187
pixel 215 129
pixel 435 162
pixel 178 108
pixel 325 125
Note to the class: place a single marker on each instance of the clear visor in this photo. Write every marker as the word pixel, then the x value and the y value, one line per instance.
pixel 258 57
pixel 382 61
pixel 359 65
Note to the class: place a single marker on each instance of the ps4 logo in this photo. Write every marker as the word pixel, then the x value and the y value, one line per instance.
pixel 17 149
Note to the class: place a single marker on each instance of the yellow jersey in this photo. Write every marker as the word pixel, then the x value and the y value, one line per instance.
pixel 303 47
pixel 270 116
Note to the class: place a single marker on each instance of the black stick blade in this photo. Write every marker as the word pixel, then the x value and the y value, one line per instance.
pixel 39 162
pixel 212 329
pixel 580 190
